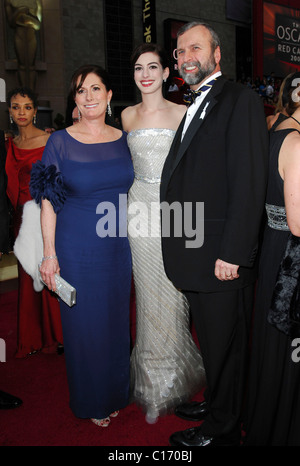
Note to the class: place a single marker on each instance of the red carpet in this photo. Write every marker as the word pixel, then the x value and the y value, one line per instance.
pixel 45 419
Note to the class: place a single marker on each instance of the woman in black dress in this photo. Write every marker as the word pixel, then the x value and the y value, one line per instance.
pixel 273 402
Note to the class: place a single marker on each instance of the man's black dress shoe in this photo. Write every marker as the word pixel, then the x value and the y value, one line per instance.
pixel 8 401
pixel 194 411
pixel 195 438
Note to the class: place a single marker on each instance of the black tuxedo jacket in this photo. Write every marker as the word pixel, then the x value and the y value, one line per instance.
pixel 221 162
pixel 4 218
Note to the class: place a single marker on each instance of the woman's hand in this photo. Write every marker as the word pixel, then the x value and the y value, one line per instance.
pixel 48 269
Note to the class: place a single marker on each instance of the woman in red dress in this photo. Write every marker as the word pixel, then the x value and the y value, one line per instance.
pixel 39 323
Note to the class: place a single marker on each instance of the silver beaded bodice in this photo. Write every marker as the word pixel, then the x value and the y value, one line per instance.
pixel 277 217
pixel 149 152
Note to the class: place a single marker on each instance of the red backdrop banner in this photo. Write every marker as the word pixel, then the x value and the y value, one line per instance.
pixel 276 37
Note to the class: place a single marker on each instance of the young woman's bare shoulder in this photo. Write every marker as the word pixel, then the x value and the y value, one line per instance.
pixel 180 109
pixel 130 111
pixel 128 116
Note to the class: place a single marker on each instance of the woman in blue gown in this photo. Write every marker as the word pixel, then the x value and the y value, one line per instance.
pixel 82 184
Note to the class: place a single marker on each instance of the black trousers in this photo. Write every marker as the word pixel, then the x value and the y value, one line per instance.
pixel 222 322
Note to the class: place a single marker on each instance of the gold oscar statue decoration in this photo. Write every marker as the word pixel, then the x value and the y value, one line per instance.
pixel 25 18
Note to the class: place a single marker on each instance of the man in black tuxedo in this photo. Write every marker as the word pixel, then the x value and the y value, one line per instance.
pixel 219 158
pixel 7 401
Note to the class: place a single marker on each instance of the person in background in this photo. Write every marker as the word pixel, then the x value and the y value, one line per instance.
pixel 269 92
pixel 7 401
pixel 272 414
pixel 4 214
pixel 166 366
pixel 280 112
pixel 49 130
pixel 75 115
pixel 85 170
pixel 263 88
pixel 39 323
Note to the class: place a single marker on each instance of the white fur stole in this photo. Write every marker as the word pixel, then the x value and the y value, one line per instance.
pixel 28 247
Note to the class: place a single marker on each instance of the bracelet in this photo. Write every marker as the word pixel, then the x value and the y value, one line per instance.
pixel 48 257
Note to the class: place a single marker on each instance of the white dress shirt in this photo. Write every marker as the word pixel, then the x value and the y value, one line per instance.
pixel 192 109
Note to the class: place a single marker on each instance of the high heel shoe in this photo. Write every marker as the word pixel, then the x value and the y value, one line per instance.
pixel 101 422
pixel 114 414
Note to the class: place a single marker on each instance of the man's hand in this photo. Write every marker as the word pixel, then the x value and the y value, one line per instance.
pixel 226 271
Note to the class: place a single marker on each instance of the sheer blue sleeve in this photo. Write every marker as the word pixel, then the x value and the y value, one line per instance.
pixel 46 180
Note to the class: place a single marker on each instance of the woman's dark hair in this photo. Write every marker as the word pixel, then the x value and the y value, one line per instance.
pixel 292 82
pixel 82 73
pixel 24 92
pixel 283 97
pixel 150 47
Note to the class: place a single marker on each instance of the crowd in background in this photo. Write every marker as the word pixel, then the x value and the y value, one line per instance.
pixel 267 87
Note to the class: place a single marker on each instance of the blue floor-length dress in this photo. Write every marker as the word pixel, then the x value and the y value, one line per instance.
pixel 87 185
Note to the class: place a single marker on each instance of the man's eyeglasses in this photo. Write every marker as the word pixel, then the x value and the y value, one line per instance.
pixel 175 54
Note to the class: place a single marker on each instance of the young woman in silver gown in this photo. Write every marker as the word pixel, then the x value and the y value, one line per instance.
pixel 166 365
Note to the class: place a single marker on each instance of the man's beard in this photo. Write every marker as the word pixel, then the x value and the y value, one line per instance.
pixel 202 73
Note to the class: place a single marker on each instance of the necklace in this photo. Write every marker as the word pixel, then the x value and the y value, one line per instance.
pixel 295 120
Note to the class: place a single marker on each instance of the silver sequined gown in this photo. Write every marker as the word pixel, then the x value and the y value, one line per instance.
pixel 166 366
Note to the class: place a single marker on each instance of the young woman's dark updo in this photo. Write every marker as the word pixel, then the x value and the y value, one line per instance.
pixel 152 48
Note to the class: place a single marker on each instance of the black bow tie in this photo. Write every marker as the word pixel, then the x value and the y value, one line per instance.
pixel 190 96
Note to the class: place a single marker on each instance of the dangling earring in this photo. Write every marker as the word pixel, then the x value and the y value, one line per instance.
pixel 11 119
pixel 109 112
pixel 34 119
pixel 79 115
